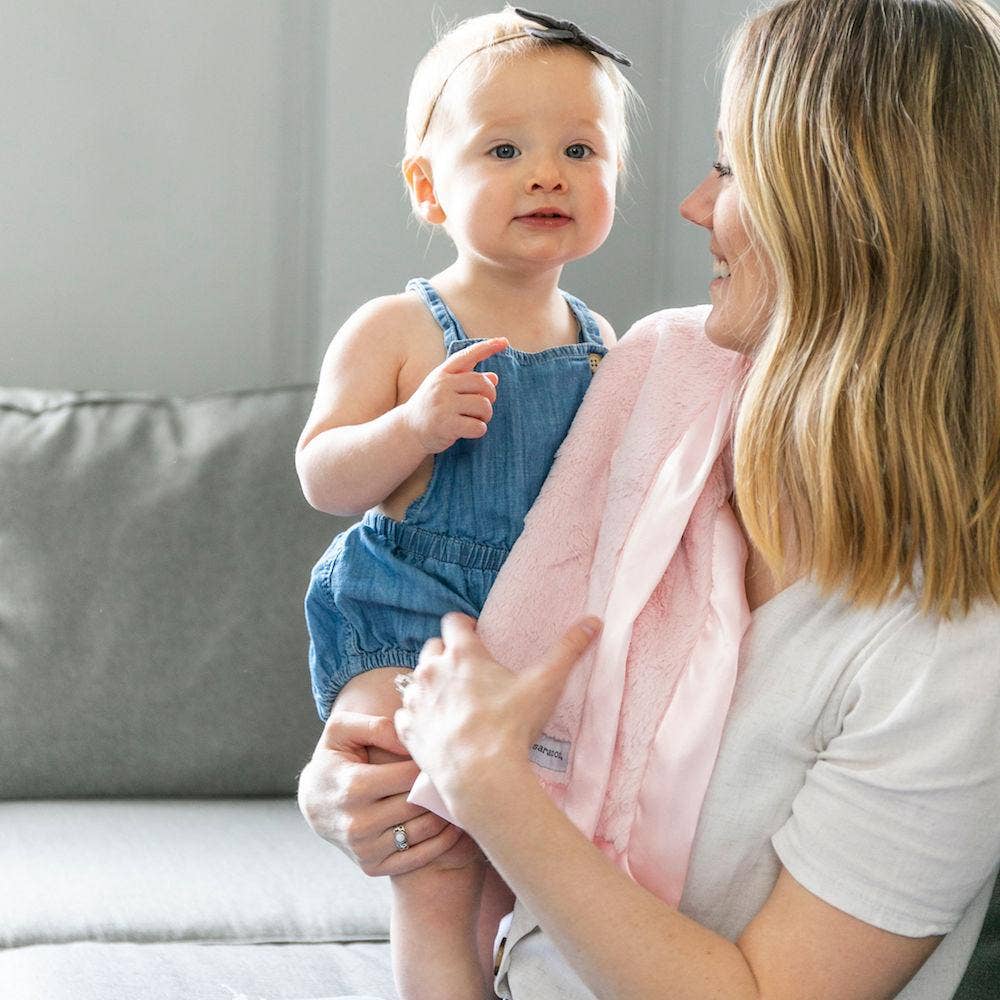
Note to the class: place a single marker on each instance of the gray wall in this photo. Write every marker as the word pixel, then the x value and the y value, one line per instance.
pixel 195 195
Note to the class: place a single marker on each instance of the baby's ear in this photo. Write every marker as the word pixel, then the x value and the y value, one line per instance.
pixel 417 173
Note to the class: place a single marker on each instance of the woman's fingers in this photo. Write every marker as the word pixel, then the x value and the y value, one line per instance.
pixel 432 647
pixel 350 733
pixel 419 854
pixel 569 647
pixel 548 678
pixel 418 828
pixel 356 804
pixel 366 784
pixel 459 630
pixel 366 835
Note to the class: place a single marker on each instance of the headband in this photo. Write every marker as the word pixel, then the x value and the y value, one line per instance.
pixel 549 29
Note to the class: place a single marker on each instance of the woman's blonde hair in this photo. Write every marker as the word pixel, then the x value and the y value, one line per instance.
pixel 864 136
pixel 491 40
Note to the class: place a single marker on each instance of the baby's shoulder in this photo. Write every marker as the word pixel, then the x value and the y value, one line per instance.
pixel 605 329
pixel 388 326
pixel 386 316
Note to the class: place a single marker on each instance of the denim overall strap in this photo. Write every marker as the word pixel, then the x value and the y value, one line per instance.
pixel 589 331
pixel 446 319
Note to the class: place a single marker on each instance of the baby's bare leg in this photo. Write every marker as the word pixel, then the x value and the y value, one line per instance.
pixel 435 909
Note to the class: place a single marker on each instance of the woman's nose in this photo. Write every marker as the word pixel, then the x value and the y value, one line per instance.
pixel 697 207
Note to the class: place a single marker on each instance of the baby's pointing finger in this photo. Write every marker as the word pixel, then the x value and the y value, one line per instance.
pixel 466 360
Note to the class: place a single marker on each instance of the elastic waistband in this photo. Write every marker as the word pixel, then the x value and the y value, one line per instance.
pixel 430 545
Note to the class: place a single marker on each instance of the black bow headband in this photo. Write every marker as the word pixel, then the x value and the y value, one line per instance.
pixel 551 30
pixel 554 30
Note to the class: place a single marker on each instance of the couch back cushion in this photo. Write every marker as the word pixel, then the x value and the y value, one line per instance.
pixel 154 552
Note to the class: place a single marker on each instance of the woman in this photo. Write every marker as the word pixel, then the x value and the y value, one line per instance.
pixel 848 839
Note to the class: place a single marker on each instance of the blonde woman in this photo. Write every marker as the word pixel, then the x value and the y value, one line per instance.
pixel 847 842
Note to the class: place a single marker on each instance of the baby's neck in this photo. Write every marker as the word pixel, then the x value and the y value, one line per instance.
pixel 526 308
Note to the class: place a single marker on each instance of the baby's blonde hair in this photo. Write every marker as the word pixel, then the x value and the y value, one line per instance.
pixel 865 139
pixel 492 40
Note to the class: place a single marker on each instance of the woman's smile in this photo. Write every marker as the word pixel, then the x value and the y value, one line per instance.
pixel 720 269
pixel 742 295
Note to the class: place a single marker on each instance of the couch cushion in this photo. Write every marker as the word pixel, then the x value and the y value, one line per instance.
pixel 155 554
pixel 197 972
pixel 213 870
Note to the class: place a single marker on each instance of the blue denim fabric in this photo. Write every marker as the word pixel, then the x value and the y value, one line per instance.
pixel 378 593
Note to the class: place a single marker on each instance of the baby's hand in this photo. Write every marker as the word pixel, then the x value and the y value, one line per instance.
pixel 454 401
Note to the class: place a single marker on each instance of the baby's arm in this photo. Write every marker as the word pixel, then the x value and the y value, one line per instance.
pixel 359 443
pixel 435 909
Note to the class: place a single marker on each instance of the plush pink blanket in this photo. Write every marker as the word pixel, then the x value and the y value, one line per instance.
pixel 634 525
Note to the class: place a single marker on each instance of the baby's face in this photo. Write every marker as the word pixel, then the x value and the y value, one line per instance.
pixel 524 164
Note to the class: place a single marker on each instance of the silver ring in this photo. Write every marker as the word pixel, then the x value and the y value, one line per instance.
pixel 399 835
pixel 401 682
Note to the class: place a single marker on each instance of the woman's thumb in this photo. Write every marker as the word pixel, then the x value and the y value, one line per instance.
pixel 550 676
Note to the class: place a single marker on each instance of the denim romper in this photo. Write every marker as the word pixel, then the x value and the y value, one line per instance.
pixel 379 591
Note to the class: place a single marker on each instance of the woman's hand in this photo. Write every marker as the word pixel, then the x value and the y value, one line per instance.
pixel 464 714
pixel 355 804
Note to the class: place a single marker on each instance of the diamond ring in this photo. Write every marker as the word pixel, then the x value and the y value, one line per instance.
pixel 399 836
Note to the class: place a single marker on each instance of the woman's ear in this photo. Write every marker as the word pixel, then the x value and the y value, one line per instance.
pixel 417 173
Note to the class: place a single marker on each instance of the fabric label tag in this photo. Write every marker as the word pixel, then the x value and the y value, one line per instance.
pixel 550 753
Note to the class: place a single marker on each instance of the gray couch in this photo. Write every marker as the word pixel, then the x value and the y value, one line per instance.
pixel 155 712
pixel 155 709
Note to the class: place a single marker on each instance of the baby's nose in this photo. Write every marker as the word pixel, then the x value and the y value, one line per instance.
pixel 546 175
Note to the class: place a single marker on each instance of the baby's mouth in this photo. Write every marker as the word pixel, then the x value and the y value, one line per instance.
pixel 544 213
pixel 544 218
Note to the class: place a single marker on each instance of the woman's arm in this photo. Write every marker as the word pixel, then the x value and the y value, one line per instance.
pixel 623 942
pixel 468 722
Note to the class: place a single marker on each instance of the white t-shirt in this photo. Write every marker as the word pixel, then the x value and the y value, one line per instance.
pixel 862 752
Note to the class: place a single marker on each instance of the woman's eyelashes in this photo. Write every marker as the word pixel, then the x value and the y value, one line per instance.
pixel 722 169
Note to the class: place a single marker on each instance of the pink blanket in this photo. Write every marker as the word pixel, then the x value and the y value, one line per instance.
pixel 634 525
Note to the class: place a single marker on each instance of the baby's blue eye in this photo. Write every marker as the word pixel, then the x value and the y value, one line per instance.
pixel 578 151
pixel 505 151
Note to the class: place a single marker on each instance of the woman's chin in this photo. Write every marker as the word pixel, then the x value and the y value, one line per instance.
pixel 724 333
pixel 719 331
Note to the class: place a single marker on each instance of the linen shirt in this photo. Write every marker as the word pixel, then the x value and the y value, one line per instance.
pixel 862 752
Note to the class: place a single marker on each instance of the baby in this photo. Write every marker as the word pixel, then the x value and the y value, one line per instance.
pixel 439 410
